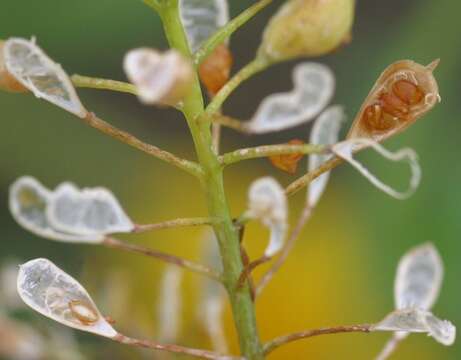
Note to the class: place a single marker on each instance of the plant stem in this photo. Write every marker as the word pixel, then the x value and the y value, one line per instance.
pixel 268 150
pixel 225 32
pixel 212 182
pixel 257 65
pixel 274 344
pixel 103 84
pixel 202 354
pixel 153 4
pixel 169 224
pixel 186 165
pixel 171 259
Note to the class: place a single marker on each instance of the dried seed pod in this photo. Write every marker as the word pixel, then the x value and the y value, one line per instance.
pixel 288 163
pixel 215 69
pixel 403 93
pixel 7 81
pixel 306 28
pixel 161 79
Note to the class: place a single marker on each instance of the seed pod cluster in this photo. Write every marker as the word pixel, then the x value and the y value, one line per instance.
pixel 215 70
pixel 404 92
pixel 7 81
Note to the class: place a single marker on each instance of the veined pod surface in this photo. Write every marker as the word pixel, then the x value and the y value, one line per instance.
pixel 403 93
pixel 306 28
pixel 7 81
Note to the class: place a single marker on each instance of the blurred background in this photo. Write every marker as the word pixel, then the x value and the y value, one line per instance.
pixel 343 267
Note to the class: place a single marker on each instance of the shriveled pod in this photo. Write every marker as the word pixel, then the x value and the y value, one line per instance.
pixel 403 93
pixel 7 81
pixel 215 70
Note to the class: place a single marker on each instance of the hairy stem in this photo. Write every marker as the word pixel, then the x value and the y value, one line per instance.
pixel 186 165
pixel 198 353
pixel 225 32
pixel 171 259
pixel 276 343
pixel 170 224
pixel 212 183
pixel 268 150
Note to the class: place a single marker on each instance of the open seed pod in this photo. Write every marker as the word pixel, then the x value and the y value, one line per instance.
pixel 404 92
pixel 7 81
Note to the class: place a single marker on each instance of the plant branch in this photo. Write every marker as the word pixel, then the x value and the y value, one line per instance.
pixel 268 150
pixel 277 342
pixel 171 259
pixel 154 4
pixel 257 65
pixel 226 31
pixel 305 180
pixel 229 122
pixel 186 165
pixel 103 84
pixel 294 235
pixel 176 223
pixel 202 354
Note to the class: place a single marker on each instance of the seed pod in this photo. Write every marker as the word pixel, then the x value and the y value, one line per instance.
pixel 306 28
pixel 288 163
pixel 403 93
pixel 162 79
pixel 7 81
pixel 215 70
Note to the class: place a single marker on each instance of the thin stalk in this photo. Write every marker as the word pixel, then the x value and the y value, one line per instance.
pixel 154 4
pixel 389 348
pixel 268 150
pixel 257 65
pixel 276 343
pixel 103 84
pixel 176 223
pixel 186 165
pixel 213 186
pixel 171 259
pixel 226 31
pixel 147 344
pixel 229 122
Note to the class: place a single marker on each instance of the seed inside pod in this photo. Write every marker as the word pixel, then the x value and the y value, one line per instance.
pixel 83 312
pixel 404 92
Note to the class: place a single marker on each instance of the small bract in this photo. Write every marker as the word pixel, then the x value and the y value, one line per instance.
pixel 53 293
pixel 314 86
pixel 346 149
pixel 160 78
pixel 267 203
pixel 325 131
pixel 202 18
pixel 37 72
pixel 28 202
pixel 419 278
pixel 89 212
pixel 415 320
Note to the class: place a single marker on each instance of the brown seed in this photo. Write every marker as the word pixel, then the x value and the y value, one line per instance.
pixel 408 92
pixel 215 69
pixel 7 81
pixel 392 105
pixel 375 120
pixel 83 312
pixel 288 163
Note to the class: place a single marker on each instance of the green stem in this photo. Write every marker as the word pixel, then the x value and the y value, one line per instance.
pixel 224 33
pixel 212 181
pixel 257 65
pixel 103 84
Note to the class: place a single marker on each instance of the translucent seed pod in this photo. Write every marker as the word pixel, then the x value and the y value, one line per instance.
pixel 215 70
pixel 7 81
pixel 161 79
pixel 403 93
pixel 307 28
pixel 53 293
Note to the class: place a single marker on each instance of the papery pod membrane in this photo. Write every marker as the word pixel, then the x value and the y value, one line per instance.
pixel 160 78
pixel 37 72
pixel 267 203
pixel 384 113
pixel 87 212
pixel 7 81
pixel 325 131
pixel 419 278
pixel 307 28
pixel 314 85
pixel 202 18
pixel 53 293
pixel 29 201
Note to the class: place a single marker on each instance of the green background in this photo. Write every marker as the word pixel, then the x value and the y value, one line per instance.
pixel 342 269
